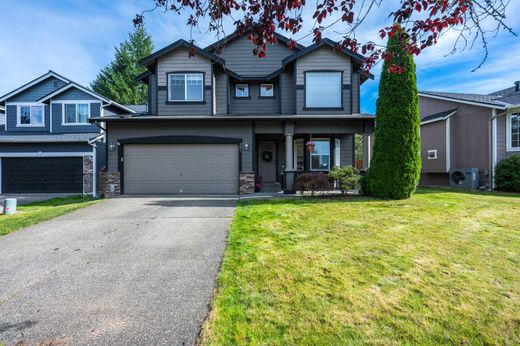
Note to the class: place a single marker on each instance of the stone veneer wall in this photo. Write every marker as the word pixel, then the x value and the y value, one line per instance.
pixel 110 184
pixel 247 182
pixel 88 174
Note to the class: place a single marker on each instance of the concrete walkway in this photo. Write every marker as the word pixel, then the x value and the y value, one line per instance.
pixel 137 271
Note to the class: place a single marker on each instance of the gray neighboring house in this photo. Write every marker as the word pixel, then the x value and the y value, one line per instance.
pixel 468 131
pixel 218 118
pixel 2 116
pixel 47 144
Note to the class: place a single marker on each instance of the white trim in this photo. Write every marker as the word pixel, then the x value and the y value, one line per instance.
pixel 74 102
pixel 493 146
pixel 509 140
pixel 337 150
pixel 310 155
pixel 185 74
pixel 448 144
pixel 28 104
pixel 46 154
pixel 473 103
pixel 94 172
pixel 34 82
pixel 439 119
pixel 1 182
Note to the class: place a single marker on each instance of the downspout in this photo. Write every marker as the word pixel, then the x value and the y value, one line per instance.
pixel 493 145
pixel 92 142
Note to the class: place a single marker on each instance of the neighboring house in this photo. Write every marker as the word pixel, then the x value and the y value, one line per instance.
pixel 468 131
pixel 222 116
pixel 47 144
pixel 2 116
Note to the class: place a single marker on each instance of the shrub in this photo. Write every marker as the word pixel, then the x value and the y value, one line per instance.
pixel 396 164
pixel 258 183
pixel 347 178
pixel 312 182
pixel 507 174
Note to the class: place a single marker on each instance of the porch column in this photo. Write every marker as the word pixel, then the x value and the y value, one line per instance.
pixel 367 150
pixel 289 152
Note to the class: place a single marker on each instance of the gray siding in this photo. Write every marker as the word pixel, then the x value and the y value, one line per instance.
pixel 240 59
pixel 152 101
pixel 287 91
pixel 433 137
pixel 72 94
pixel 356 107
pixel 234 129
pixel 166 108
pixel 324 58
pixel 501 139
pixel 221 93
pixel 38 91
pixel 254 104
pixel 44 147
pixel 11 118
pixel 57 119
pixel 346 150
pixel 317 127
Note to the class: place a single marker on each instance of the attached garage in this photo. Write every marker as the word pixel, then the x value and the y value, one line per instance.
pixel 42 175
pixel 187 168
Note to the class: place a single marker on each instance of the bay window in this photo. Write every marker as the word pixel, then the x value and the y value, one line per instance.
pixel 31 115
pixel 513 132
pixel 76 113
pixel 185 87
pixel 323 89
pixel 320 155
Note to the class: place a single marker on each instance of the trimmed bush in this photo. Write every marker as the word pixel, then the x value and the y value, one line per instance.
pixel 507 174
pixel 312 182
pixel 347 178
pixel 396 164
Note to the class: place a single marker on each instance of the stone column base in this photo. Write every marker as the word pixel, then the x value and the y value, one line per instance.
pixel 247 182
pixel 110 184
pixel 88 177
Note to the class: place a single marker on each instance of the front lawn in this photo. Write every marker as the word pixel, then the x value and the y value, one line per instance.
pixel 33 213
pixel 440 268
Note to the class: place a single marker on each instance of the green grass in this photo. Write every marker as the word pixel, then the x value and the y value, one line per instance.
pixel 440 268
pixel 33 213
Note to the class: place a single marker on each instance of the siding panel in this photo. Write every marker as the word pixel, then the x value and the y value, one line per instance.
pixel 254 104
pixel 183 109
pixel 57 119
pixel 346 152
pixel 433 137
pixel 287 91
pixel 11 119
pixel 38 91
pixel 178 60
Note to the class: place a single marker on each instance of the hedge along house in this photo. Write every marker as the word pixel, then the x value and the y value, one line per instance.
pixel 468 131
pixel 47 144
pixel 222 116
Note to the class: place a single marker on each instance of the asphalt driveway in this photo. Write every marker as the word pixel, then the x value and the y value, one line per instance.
pixel 126 271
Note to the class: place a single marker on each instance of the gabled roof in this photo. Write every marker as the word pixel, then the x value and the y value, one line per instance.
pixel 324 42
pixel 438 117
pixel 235 35
pixel 85 90
pixel 179 43
pixel 489 101
pixel 34 82
pixel 143 77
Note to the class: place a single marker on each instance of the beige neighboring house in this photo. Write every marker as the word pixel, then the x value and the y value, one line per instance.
pixel 462 131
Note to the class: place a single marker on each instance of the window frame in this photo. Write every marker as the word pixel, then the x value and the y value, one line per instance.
pixel 76 103
pixel 30 105
pixel 305 84
pixel 311 155
pixel 509 128
pixel 266 97
pixel 185 101
pixel 248 91
pixel 434 152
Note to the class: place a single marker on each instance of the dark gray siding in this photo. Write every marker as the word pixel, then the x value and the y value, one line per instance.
pixel 166 108
pixel 433 137
pixel 287 90
pixel 501 139
pixel 240 59
pixel 38 91
pixel 355 93
pixel 234 129
pixel 72 94
pixel 57 119
pixel 11 119
pixel 152 101
pixel 44 147
pixel 346 151
pixel 221 93
pixel 254 104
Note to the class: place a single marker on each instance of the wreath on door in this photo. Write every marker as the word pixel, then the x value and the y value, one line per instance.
pixel 267 156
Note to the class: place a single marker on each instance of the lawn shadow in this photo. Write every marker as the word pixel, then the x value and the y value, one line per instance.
pixel 206 202
pixel 60 201
pixel 438 190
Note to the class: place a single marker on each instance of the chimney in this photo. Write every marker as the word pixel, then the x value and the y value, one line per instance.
pixel 517 86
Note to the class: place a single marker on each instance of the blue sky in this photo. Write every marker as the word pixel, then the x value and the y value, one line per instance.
pixel 77 38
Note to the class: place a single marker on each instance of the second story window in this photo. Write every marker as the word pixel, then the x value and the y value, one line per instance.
pixel 76 113
pixel 266 90
pixel 513 132
pixel 185 87
pixel 31 115
pixel 242 90
pixel 323 89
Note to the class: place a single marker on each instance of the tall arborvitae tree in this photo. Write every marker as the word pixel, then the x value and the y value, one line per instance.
pixel 117 80
pixel 396 165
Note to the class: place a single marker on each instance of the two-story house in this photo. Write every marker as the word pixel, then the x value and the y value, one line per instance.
pixel 47 144
pixel 220 116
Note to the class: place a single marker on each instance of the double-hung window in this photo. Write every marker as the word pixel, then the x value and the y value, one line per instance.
pixel 513 132
pixel 31 115
pixel 76 113
pixel 323 89
pixel 320 155
pixel 186 87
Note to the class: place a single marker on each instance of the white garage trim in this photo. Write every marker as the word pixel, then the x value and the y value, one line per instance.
pixel 46 154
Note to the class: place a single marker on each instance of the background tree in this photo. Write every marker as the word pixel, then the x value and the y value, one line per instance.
pixel 117 80
pixel 396 165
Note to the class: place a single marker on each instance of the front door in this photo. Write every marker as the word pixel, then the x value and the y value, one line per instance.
pixel 267 161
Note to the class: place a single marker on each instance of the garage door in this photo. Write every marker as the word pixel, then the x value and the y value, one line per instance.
pixel 42 175
pixel 181 168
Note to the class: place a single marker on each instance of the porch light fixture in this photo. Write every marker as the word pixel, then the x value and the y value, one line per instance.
pixel 113 146
pixel 246 146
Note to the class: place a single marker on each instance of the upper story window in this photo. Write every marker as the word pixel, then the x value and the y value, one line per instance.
pixel 242 90
pixel 323 90
pixel 513 132
pixel 76 113
pixel 267 90
pixel 31 115
pixel 320 155
pixel 185 87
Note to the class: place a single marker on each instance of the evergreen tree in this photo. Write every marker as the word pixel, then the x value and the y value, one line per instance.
pixel 395 168
pixel 117 80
